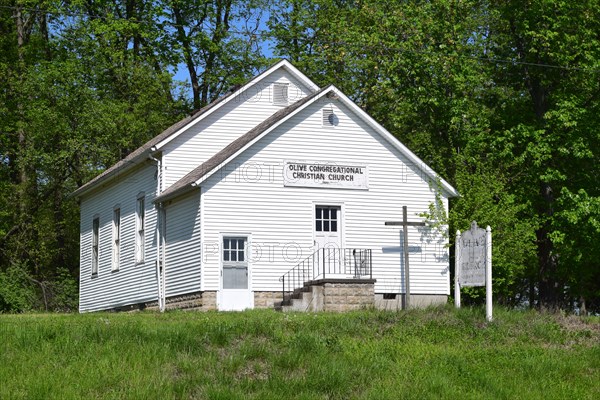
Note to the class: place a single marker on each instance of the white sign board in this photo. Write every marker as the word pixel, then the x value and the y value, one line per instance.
pixel 472 257
pixel 323 174
pixel 473 263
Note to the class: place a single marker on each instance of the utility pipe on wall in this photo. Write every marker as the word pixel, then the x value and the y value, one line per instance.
pixel 159 221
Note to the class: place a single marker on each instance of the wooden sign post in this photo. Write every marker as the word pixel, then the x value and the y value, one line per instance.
pixel 473 263
pixel 405 224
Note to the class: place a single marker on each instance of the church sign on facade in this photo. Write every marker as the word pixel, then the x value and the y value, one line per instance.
pixel 322 174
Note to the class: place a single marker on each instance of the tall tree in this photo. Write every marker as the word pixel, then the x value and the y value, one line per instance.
pixel 217 40
pixel 87 83
pixel 499 97
pixel 551 126
pixel 81 92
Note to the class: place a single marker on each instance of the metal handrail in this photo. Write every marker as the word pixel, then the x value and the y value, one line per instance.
pixel 327 262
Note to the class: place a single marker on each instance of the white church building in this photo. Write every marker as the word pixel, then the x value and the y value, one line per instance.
pixel 273 196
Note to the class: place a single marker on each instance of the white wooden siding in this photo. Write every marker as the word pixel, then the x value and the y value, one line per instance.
pixel 249 196
pixel 231 120
pixel 132 283
pixel 183 254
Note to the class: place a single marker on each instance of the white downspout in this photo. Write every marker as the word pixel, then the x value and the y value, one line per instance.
pixel 163 239
pixel 160 266
pixel 159 211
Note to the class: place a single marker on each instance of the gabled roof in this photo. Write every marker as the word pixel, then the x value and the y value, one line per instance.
pixel 156 143
pixel 238 146
pixel 241 143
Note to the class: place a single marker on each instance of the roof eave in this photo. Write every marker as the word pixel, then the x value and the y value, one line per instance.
pixel 94 184
pixel 160 199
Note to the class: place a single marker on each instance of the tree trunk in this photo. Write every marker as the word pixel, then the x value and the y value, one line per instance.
pixel 26 171
pixel 548 260
pixel 185 42
pixel 59 226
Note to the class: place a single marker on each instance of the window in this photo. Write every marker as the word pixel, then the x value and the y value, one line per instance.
pixel 116 250
pixel 326 219
pixel 140 226
pixel 95 242
pixel 280 94
pixel 235 263
pixel 234 249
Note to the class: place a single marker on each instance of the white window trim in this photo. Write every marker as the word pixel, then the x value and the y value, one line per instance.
pixel 329 219
pixel 140 228
pixel 116 238
pixel 95 255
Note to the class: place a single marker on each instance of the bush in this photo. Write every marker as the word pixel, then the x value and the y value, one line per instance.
pixel 17 290
pixel 21 292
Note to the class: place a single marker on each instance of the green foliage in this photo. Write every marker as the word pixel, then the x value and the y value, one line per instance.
pixel 436 216
pixel 64 289
pixel 487 200
pixel 501 99
pixel 552 134
pixel 21 292
pixel 434 353
pixel 575 233
pixel 17 293
pixel 217 41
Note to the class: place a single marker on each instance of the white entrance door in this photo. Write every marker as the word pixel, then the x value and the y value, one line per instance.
pixel 328 241
pixel 236 294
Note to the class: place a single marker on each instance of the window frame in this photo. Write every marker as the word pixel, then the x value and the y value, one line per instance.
pixel 116 238
pixel 140 228
pixel 95 245
pixel 321 221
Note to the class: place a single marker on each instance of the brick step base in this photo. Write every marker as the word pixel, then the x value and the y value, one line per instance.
pixel 331 295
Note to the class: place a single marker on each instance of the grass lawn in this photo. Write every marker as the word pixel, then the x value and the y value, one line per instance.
pixel 438 353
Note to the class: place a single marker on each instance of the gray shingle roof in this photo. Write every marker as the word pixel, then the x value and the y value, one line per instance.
pixel 219 158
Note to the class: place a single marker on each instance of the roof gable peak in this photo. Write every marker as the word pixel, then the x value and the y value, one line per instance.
pixel 206 169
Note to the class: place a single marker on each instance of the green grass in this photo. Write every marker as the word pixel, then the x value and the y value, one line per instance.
pixel 436 353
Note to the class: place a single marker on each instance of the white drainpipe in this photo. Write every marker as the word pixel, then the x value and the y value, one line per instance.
pixel 160 272
pixel 163 252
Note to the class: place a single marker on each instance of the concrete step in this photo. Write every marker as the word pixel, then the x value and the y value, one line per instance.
pixel 306 298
